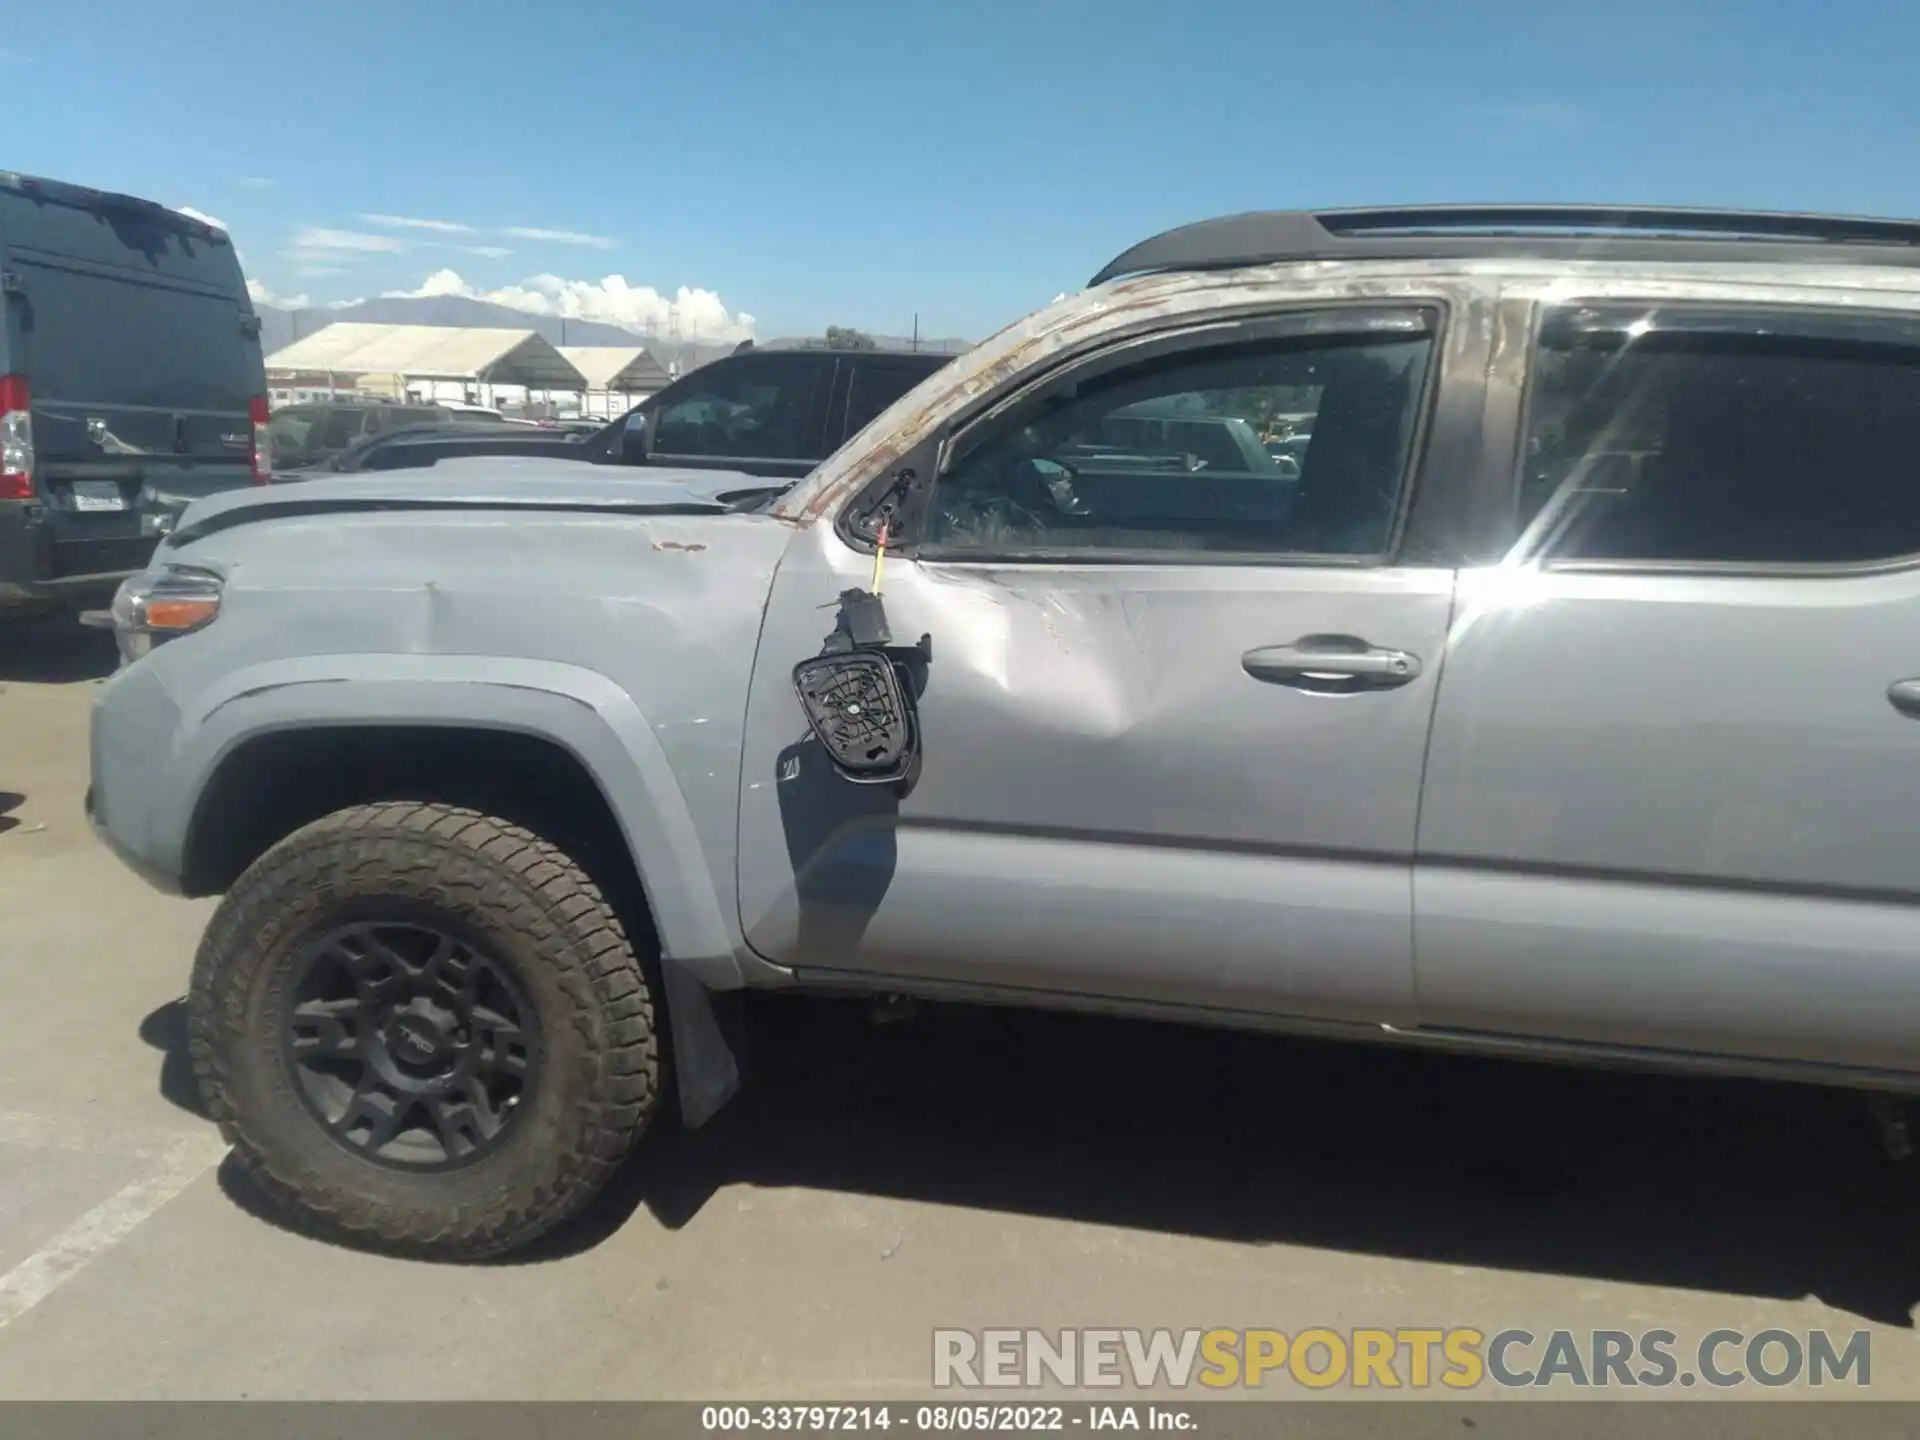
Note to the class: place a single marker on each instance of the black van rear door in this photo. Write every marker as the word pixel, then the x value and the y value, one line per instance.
pixel 140 382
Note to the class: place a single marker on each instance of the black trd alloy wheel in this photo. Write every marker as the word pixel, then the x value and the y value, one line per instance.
pixel 423 1029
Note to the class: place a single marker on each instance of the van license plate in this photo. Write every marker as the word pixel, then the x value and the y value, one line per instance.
pixel 98 495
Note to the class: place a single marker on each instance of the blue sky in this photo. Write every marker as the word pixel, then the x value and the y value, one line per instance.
pixel 854 161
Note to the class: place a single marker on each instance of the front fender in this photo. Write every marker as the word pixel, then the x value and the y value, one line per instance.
pixel 579 709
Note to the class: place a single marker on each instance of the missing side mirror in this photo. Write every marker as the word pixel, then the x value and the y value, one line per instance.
pixel 859 712
pixel 859 699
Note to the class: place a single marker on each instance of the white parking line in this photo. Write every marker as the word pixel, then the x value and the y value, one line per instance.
pixel 43 1132
pixel 175 1163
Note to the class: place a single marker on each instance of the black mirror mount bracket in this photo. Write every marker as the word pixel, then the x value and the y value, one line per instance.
pixel 860 695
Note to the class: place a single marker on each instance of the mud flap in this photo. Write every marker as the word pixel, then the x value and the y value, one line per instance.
pixel 704 1061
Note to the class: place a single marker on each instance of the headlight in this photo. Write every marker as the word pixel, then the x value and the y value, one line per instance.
pixel 157 605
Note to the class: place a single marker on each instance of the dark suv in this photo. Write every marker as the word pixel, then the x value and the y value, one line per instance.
pixel 307 435
pixel 130 384
pixel 764 412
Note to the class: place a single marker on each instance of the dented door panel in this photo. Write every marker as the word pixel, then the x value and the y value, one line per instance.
pixel 1108 802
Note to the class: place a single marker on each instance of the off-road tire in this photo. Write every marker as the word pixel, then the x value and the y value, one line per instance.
pixel 538 913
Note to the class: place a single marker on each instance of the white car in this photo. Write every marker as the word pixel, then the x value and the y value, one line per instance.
pixel 461 411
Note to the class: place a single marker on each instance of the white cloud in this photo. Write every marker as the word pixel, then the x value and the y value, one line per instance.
pixel 257 182
pixel 491 252
pixel 409 222
pixel 261 295
pixel 441 282
pixel 201 216
pixel 563 237
pixel 700 313
pixel 351 241
pixel 318 251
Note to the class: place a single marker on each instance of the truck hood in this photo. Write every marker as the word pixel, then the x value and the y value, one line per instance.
pixel 480 483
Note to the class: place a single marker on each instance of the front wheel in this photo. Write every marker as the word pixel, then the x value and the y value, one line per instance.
pixel 423 1029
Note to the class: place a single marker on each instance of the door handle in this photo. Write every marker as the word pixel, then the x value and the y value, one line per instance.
pixel 1333 665
pixel 1905 695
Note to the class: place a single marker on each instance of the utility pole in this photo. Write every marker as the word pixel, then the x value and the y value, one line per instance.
pixel 916 330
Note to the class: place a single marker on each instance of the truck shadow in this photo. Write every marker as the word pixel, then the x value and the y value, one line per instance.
pixel 54 650
pixel 165 1029
pixel 1739 1187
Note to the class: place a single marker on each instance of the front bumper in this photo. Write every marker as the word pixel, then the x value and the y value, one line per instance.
pixel 134 726
pixel 76 566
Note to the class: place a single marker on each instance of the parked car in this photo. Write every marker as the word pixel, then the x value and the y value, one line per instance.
pixel 130 384
pixel 772 413
pixel 501 779
pixel 414 446
pixel 302 437
pixel 460 410
pixel 572 426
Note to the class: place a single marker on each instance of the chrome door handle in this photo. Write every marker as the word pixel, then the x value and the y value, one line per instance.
pixel 1331 664
pixel 1905 695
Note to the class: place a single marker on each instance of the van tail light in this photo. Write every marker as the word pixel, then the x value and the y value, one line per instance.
pixel 262 451
pixel 16 439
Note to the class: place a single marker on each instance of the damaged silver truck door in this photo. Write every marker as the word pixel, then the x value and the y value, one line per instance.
pixel 1167 698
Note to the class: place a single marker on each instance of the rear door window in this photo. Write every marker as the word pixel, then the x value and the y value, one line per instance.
pixel 287 433
pixel 763 409
pixel 337 429
pixel 1691 438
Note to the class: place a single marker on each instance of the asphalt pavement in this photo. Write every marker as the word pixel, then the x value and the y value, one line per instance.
pixel 962 1168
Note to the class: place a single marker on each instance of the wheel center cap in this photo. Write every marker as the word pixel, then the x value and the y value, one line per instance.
pixel 416 1039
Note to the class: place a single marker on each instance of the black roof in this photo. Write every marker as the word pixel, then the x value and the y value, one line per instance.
pixel 85 197
pixel 1610 232
pixel 933 359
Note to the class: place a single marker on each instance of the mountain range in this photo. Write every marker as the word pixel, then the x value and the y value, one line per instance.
pixel 280 328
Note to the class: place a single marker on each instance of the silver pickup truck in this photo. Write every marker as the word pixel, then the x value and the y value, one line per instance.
pixel 1559 702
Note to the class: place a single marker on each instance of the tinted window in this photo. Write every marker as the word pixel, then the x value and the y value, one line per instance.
pixel 757 410
pixel 287 434
pixel 1722 448
pixel 1172 455
pixel 382 418
pixel 336 429
pixel 876 385
pixel 116 342
pixel 311 435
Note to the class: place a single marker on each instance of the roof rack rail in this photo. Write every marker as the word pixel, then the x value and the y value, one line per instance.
pixel 1649 232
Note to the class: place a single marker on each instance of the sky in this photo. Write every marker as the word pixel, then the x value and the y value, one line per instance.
pixel 739 167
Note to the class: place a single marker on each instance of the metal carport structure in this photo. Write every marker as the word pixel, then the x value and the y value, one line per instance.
pixel 625 370
pixel 346 350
